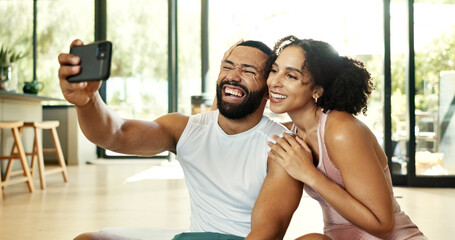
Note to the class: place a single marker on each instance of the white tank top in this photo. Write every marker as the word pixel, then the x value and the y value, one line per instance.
pixel 223 173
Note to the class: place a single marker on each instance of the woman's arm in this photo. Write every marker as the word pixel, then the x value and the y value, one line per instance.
pixel 366 202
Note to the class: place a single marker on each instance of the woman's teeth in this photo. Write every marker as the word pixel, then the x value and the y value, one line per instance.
pixel 278 96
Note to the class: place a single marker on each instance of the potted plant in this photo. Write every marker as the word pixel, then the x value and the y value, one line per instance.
pixel 7 58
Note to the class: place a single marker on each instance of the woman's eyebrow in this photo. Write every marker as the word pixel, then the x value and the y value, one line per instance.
pixel 294 69
pixel 290 68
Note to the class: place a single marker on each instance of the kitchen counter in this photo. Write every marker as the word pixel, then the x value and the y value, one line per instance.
pixel 21 107
pixel 26 97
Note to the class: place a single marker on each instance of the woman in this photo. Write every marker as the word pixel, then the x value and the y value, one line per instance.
pixel 333 153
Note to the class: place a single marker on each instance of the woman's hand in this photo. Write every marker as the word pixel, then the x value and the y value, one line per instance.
pixel 294 155
pixel 229 51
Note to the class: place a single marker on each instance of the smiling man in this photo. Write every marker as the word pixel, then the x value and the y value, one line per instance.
pixel 234 99
pixel 223 153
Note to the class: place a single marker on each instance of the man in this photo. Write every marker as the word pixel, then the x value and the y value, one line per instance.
pixel 223 153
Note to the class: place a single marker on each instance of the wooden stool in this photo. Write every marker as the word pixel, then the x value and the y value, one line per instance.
pixel 38 151
pixel 17 152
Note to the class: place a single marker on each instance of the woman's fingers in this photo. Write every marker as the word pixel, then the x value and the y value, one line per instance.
pixel 290 138
pixel 282 142
pixel 228 52
pixel 277 150
pixel 281 149
pixel 303 144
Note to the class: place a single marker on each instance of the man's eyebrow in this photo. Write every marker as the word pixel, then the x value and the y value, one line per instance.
pixel 242 65
pixel 229 62
pixel 250 66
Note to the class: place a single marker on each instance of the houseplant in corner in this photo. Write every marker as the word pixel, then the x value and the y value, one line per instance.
pixel 7 58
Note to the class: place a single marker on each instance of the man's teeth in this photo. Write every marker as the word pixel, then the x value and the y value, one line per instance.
pixel 232 92
pixel 279 96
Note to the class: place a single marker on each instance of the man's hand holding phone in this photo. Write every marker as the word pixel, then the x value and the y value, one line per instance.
pixel 78 93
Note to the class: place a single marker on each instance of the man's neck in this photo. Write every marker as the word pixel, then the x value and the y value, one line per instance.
pixel 235 126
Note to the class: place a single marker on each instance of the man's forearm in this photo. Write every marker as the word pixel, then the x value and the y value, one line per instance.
pixel 99 123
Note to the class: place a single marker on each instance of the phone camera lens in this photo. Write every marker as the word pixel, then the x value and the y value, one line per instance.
pixel 101 52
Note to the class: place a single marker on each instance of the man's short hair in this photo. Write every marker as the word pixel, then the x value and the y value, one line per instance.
pixel 257 44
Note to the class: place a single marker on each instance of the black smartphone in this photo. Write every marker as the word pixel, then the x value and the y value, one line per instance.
pixel 95 61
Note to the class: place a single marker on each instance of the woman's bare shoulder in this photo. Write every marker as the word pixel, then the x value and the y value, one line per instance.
pixel 342 125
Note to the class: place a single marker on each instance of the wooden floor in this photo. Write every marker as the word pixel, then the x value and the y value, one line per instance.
pixel 154 195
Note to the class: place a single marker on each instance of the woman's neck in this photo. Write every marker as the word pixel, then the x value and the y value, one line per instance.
pixel 306 120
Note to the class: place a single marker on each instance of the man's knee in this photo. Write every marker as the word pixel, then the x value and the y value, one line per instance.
pixel 314 236
pixel 87 236
pixel 100 236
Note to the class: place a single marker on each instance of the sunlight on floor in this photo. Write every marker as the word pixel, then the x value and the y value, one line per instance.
pixel 167 170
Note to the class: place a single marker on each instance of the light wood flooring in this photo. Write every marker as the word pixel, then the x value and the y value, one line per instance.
pixel 153 195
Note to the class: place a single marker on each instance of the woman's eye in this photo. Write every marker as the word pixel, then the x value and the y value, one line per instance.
pixel 227 68
pixel 273 70
pixel 291 76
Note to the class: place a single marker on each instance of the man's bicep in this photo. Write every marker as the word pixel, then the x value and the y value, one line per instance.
pixel 148 138
pixel 278 199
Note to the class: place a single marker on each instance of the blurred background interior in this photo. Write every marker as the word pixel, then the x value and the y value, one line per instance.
pixel 166 56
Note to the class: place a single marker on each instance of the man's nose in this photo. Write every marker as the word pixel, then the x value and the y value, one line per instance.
pixel 234 74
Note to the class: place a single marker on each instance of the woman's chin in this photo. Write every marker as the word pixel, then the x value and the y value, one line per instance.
pixel 277 110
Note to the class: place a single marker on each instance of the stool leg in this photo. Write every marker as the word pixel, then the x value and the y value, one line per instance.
pixel 9 167
pixel 34 156
pixel 1 189
pixel 20 149
pixel 39 147
pixel 61 158
pixel 32 162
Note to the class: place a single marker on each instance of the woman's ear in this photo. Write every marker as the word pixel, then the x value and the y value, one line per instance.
pixel 317 93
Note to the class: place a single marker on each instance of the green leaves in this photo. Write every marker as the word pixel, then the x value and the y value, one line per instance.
pixel 8 56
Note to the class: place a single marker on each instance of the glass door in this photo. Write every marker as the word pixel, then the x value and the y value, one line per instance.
pixel 434 39
pixel 137 87
pixel 423 92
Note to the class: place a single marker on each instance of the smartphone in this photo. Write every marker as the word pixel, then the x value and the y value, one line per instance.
pixel 95 61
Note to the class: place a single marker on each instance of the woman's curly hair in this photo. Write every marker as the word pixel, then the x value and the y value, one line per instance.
pixel 346 82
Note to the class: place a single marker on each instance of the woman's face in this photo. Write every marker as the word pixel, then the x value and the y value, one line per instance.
pixel 289 84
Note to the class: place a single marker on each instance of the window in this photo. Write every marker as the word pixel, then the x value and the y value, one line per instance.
pixel 434 87
pixel 15 33
pixel 354 33
pixel 57 27
pixel 399 98
pixel 137 88
pixel 189 53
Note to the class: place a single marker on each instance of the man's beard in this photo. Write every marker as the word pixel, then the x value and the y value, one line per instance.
pixel 249 105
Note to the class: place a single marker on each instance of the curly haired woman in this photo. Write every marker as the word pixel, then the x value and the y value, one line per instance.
pixel 334 154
